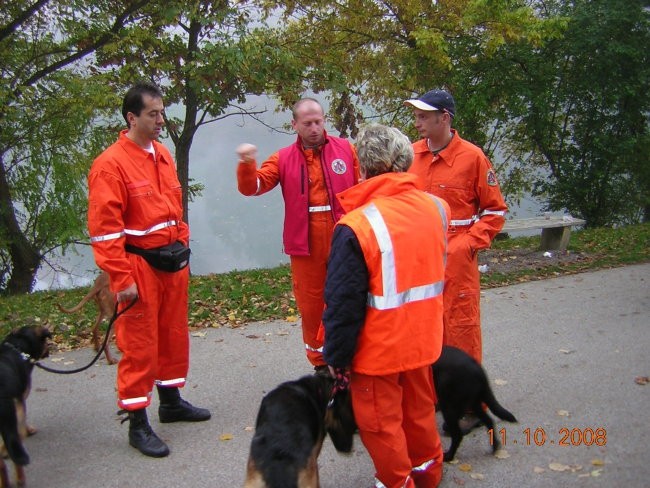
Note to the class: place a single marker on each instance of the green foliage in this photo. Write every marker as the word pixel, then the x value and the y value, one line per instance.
pixel 582 112
pixel 52 123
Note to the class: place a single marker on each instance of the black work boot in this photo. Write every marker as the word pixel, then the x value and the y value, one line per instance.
pixel 174 409
pixel 142 436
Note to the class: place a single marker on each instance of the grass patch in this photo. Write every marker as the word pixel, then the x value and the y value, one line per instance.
pixel 235 298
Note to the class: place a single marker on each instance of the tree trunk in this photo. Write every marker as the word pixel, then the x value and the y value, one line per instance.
pixel 25 258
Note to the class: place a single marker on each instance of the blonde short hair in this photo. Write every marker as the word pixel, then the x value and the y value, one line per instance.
pixel 382 149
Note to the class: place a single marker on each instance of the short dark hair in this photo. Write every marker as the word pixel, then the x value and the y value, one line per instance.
pixel 133 99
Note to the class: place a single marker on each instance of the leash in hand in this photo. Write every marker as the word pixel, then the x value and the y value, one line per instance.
pixel 101 349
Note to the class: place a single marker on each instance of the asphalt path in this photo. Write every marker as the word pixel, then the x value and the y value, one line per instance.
pixel 565 355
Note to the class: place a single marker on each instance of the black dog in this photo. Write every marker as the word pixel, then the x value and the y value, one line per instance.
pixel 289 431
pixel 17 353
pixel 462 385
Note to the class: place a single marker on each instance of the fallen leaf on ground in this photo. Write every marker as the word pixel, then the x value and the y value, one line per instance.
pixel 567 351
pixel 499 382
pixel 465 467
pixel 642 380
pixel 226 437
pixel 598 462
pixel 477 476
pixel 291 318
pixel 563 413
pixel 252 336
pixel 558 467
pixel 501 454
pixel 283 332
pixel 249 429
pixel 538 470
pixel 199 334
pixel 596 472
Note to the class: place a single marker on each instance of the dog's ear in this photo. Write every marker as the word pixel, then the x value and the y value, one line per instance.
pixel 339 421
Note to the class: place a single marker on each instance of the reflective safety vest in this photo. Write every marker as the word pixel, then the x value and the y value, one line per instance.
pixel 402 233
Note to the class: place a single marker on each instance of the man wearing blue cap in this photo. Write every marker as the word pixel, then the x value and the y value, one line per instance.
pixel 459 172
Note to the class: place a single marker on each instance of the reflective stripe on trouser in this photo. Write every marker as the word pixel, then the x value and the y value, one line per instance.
pixel 308 275
pixel 396 419
pixel 461 297
pixel 153 335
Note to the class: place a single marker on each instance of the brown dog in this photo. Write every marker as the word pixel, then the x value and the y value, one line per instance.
pixel 17 353
pixel 105 300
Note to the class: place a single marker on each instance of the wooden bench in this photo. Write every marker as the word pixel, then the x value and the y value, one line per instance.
pixel 556 229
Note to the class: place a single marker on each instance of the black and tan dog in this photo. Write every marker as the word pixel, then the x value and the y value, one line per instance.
pixel 461 386
pixel 290 429
pixel 17 353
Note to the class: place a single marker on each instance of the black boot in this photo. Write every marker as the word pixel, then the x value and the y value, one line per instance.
pixel 142 436
pixel 174 409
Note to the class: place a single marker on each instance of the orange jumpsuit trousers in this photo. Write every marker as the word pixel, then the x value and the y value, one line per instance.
pixel 153 335
pixel 461 296
pixel 308 275
pixel 407 426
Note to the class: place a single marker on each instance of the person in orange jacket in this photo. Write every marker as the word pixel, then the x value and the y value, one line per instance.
pixel 135 221
pixel 458 171
pixel 384 309
pixel 310 172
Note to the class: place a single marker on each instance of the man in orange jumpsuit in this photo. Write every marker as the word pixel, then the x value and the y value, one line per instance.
pixel 383 321
pixel 458 171
pixel 135 221
pixel 310 173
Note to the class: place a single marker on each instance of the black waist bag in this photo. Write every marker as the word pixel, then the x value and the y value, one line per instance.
pixel 171 258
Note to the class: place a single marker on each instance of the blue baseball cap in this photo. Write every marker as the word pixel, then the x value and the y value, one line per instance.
pixel 434 100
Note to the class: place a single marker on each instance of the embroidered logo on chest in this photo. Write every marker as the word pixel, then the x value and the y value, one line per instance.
pixel 339 166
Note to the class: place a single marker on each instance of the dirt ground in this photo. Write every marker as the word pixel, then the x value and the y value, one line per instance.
pixel 512 260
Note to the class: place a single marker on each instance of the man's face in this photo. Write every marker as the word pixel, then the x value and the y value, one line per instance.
pixel 309 123
pixel 148 125
pixel 430 123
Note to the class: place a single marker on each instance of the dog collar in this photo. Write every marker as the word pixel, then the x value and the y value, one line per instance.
pixel 22 354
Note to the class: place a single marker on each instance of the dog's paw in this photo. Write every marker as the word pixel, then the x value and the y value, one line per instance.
pixel 448 456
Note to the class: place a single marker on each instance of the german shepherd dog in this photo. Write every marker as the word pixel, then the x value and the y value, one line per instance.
pixel 105 300
pixel 462 385
pixel 17 353
pixel 291 426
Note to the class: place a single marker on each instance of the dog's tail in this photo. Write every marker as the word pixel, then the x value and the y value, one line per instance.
pixel 9 432
pixel 495 407
pixel 79 305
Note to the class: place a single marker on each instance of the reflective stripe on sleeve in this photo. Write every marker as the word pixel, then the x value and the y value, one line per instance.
pixel 459 223
pixel 107 237
pixel 502 213
pixel 391 298
pixel 309 348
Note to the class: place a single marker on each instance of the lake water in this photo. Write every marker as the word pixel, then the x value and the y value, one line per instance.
pixel 228 231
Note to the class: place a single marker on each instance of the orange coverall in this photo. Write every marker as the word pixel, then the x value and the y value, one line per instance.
pixel 463 176
pixel 134 199
pixel 307 272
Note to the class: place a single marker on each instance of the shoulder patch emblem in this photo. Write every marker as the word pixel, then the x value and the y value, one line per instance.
pixel 339 166
pixel 492 178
